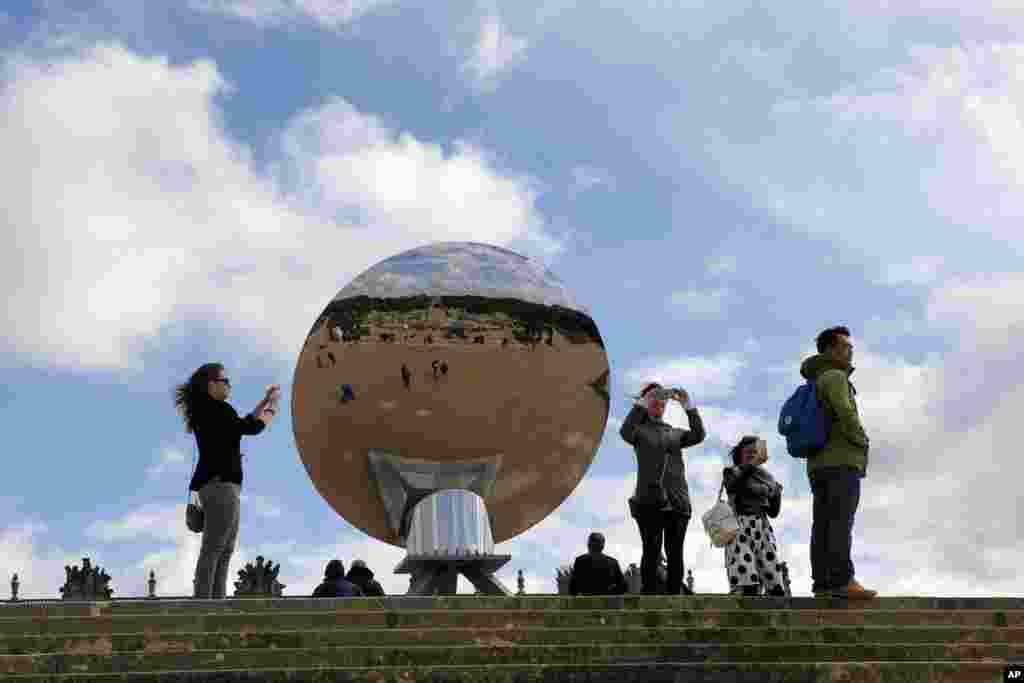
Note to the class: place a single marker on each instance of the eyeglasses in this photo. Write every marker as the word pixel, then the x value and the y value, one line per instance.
pixel 222 380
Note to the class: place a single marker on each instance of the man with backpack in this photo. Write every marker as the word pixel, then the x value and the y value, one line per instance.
pixel 828 432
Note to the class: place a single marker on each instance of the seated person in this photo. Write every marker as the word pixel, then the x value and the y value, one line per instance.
pixel 596 573
pixel 362 576
pixel 334 584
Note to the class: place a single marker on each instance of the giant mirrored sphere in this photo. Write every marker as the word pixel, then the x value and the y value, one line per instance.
pixel 452 353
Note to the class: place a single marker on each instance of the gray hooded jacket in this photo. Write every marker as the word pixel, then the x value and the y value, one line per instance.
pixel 651 440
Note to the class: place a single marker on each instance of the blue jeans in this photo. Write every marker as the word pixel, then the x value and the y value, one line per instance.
pixel 836 495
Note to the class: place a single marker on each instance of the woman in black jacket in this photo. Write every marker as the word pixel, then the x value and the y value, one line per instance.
pixel 202 402
pixel 661 502
pixel 752 560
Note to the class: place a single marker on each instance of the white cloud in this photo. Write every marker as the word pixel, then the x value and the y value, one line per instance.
pixel 918 271
pixel 708 378
pixel 979 305
pixel 263 506
pixel 701 303
pixel 722 265
pixel 345 162
pixel 171 459
pixel 930 145
pixel 162 217
pixel 153 521
pixel 586 178
pixel 494 53
pixel 332 14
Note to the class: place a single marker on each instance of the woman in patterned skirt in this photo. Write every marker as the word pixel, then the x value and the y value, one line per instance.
pixel 752 560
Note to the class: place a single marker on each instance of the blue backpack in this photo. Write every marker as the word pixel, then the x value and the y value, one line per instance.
pixel 804 422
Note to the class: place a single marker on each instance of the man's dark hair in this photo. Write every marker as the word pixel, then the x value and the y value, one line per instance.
pixel 738 448
pixel 335 570
pixel 828 338
pixel 595 542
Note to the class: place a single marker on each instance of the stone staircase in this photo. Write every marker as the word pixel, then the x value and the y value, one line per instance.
pixel 520 639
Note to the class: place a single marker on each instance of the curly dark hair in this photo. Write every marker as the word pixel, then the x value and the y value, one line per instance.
pixel 827 339
pixel 186 395
pixel 737 450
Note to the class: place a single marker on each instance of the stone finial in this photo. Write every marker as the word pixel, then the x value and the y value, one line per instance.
pixel 634 583
pixel 785 579
pixel 14 588
pixel 562 577
pixel 152 584
pixel 520 583
pixel 259 579
pixel 689 579
pixel 87 583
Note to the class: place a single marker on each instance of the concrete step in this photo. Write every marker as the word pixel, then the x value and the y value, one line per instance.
pixel 500 651
pixel 221 621
pixel 680 672
pixel 475 602
pixel 272 637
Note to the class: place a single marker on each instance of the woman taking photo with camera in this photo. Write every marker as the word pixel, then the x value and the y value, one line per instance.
pixel 661 503
pixel 202 402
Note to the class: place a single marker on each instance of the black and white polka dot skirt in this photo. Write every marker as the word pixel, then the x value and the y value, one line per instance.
pixel 753 558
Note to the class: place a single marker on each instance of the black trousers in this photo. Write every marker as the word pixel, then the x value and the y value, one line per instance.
pixel 836 496
pixel 657 527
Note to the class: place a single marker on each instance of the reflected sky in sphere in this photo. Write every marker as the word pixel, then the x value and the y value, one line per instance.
pixel 459 269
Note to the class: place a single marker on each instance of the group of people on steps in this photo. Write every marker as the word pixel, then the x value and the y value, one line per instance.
pixel 660 503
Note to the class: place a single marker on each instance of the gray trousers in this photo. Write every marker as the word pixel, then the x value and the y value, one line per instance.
pixel 221 506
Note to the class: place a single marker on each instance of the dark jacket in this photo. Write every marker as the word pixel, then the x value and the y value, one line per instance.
pixel 596 574
pixel 219 432
pixel 363 578
pixel 752 490
pixel 652 440
pixel 847 444
pixel 337 588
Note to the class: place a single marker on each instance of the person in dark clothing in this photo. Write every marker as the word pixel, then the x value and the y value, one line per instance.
pixel 202 402
pixel 595 573
pixel 406 375
pixel 444 368
pixel 835 472
pixel 335 585
pixel 362 576
pixel 752 561
pixel 661 503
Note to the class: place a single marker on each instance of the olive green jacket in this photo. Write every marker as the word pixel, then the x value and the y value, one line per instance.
pixel 847 443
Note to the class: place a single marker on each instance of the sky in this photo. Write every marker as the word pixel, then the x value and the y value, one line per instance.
pixel 715 183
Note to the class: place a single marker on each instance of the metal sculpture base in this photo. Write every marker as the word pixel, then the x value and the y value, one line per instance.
pixel 439 574
pixel 437 511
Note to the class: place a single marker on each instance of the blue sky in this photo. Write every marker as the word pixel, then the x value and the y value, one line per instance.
pixel 194 181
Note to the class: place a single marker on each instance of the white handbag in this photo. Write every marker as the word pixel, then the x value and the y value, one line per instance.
pixel 720 522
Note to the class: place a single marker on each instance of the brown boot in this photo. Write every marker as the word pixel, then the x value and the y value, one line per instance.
pixel 855 591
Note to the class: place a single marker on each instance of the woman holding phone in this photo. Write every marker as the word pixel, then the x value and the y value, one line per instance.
pixel 203 403
pixel 661 502
pixel 752 560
